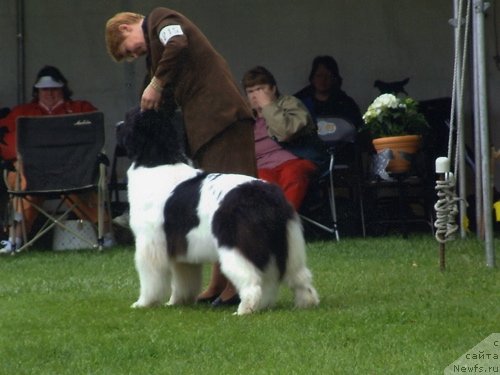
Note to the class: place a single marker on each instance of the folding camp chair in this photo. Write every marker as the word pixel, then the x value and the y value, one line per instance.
pixel 335 133
pixel 115 186
pixel 60 156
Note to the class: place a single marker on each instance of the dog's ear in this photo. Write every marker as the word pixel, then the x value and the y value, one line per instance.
pixel 126 133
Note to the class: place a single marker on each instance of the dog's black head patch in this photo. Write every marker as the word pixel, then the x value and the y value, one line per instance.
pixel 152 139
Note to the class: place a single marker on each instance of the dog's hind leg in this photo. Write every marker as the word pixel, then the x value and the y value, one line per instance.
pixel 301 284
pixel 186 283
pixel 297 276
pixel 154 275
pixel 270 286
pixel 245 277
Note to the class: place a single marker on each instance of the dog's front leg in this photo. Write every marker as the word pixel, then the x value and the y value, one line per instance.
pixel 186 283
pixel 154 275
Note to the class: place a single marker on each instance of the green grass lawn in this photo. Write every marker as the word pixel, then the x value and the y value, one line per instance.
pixel 385 309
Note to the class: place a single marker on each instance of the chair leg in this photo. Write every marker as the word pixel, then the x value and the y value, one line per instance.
pixel 360 193
pixel 331 196
pixel 104 213
pixel 52 222
pixel 333 229
pixel 100 206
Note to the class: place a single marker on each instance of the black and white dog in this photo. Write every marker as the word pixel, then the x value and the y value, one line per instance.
pixel 183 217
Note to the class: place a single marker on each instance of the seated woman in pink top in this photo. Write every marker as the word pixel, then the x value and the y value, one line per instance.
pixel 287 147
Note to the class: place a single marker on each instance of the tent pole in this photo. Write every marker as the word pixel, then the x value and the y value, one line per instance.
pixel 459 110
pixel 479 49
pixel 478 172
pixel 21 73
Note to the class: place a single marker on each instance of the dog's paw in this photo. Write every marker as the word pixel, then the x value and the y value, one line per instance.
pixel 136 305
pixel 181 300
pixel 241 312
pixel 307 298
pixel 244 308
pixel 250 300
pixel 173 301
pixel 140 304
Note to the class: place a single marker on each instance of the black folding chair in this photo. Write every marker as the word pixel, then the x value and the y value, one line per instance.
pixel 60 156
pixel 337 132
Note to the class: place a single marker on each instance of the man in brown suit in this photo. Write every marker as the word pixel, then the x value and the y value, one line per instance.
pixel 184 67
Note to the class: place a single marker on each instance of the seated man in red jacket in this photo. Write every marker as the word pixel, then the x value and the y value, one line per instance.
pixel 51 96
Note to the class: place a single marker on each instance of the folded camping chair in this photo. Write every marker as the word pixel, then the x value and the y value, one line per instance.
pixel 115 186
pixel 336 132
pixel 59 156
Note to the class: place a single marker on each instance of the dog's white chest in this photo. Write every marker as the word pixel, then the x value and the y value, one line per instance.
pixel 148 190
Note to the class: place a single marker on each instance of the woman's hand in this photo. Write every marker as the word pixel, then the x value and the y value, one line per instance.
pixel 264 96
pixel 151 98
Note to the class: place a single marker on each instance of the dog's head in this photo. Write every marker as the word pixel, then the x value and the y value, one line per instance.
pixel 151 139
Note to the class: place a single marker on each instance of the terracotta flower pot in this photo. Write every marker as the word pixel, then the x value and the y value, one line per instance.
pixel 402 148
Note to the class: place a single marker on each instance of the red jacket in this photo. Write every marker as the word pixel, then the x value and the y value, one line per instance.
pixel 8 151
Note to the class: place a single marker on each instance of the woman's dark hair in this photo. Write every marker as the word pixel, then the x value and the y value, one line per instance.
pixel 259 76
pixel 56 74
pixel 329 63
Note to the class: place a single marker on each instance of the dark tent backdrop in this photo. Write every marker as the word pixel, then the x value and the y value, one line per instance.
pixel 382 39
pixel 375 39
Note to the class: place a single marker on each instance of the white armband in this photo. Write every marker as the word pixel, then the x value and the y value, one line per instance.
pixel 168 32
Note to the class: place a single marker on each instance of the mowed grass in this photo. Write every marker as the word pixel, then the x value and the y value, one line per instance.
pixel 385 309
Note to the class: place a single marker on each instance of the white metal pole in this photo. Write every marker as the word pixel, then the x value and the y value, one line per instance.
pixel 478 171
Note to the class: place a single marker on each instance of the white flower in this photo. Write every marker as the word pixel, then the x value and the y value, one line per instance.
pixel 389 115
pixel 386 101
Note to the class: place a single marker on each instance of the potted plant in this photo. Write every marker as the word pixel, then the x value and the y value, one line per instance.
pixel 395 123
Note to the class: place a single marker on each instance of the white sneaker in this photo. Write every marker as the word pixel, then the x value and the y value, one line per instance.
pixel 8 247
pixel 122 220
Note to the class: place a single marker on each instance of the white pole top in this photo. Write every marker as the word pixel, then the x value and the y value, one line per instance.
pixel 442 165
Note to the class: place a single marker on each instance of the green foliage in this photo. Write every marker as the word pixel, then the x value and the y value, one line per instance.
pixel 390 116
pixel 385 309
